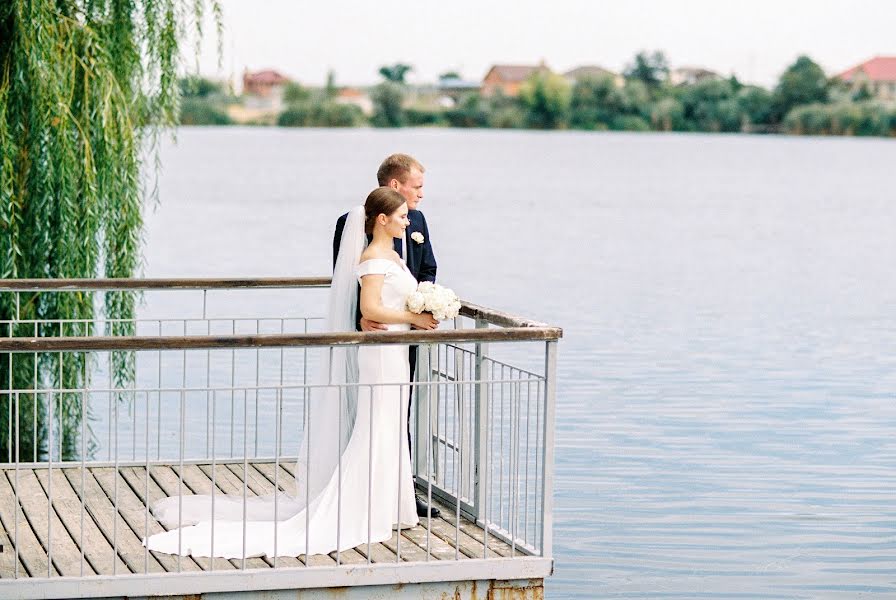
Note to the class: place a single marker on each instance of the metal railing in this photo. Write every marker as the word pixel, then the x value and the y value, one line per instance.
pixel 224 387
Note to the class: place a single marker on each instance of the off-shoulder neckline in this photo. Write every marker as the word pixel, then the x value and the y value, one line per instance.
pixel 389 260
pixel 401 266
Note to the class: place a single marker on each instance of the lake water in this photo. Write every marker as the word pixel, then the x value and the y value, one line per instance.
pixel 726 414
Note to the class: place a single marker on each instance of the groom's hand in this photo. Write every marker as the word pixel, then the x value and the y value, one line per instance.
pixel 368 325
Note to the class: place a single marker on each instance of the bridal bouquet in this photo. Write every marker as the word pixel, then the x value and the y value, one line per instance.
pixel 432 297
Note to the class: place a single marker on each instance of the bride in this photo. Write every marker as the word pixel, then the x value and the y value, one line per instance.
pixel 354 482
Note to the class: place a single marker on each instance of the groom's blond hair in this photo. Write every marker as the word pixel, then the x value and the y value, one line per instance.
pixel 397 166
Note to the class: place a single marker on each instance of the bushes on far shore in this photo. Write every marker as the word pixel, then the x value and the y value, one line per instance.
pixel 804 102
pixel 199 111
pixel 325 114
pixel 845 118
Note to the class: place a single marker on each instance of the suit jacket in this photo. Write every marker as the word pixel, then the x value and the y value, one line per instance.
pixel 420 260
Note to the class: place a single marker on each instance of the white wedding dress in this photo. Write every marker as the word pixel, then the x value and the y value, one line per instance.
pixel 373 478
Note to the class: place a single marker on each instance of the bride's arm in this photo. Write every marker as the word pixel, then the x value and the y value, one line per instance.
pixel 372 306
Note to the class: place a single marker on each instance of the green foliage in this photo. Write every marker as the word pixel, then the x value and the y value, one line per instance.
pixel 200 111
pixel 416 117
pixel 506 117
pixel 395 73
pixel 194 86
pixel 863 93
pixel 594 103
pixel 755 105
pixel 546 99
pixel 667 114
pixel 646 101
pixel 298 115
pixel 710 105
pixel 471 111
pixel 317 108
pixel 202 102
pixel 321 114
pixel 330 89
pixel 845 118
pixel 294 93
pixel 388 98
pixel 629 123
pixel 804 82
pixel 650 69
pixel 633 99
pixel 85 87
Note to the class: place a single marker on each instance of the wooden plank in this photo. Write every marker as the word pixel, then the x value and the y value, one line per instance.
pixel 225 483
pixel 474 311
pixel 195 478
pixel 473 530
pixel 266 470
pixel 467 545
pixel 157 283
pixel 285 480
pixel 286 483
pixel 97 549
pixel 291 340
pixel 136 478
pixel 258 485
pixel 30 551
pixel 131 519
pixel 378 552
pixel 62 550
pixel 410 552
pixel 8 557
pixel 439 549
pixel 258 481
pixel 441 546
pixel 468 309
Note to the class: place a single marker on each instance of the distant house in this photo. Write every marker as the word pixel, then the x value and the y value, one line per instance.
pixel 692 75
pixel 508 78
pixel 355 97
pixel 593 72
pixel 263 90
pixel 877 74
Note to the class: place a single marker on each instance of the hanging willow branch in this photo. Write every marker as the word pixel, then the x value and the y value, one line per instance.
pixel 86 87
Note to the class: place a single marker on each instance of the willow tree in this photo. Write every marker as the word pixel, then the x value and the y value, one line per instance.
pixel 86 88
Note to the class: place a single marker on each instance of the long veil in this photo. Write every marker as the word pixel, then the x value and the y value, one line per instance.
pixel 330 408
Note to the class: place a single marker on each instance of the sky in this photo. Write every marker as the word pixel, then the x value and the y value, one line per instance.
pixel 756 39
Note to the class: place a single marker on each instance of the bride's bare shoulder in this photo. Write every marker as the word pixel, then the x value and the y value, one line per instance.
pixel 372 253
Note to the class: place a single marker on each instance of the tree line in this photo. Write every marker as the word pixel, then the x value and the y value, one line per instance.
pixel 803 101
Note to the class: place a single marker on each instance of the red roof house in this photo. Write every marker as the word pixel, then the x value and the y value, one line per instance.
pixel 878 74
pixel 262 83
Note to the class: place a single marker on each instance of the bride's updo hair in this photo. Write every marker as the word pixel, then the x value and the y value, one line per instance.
pixel 381 201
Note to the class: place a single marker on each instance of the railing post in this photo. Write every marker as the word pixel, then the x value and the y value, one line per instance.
pixel 480 450
pixel 547 451
pixel 463 441
pixel 422 416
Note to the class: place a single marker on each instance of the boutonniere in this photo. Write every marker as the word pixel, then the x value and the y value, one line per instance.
pixel 417 237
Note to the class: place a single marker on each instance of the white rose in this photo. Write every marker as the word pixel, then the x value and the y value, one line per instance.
pixel 435 306
pixel 417 237
pixel 425 287
pixel 416 302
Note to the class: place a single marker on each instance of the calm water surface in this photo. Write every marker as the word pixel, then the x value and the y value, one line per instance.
pixel 726 415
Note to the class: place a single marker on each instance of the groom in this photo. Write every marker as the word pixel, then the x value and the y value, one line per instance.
pixel 404 174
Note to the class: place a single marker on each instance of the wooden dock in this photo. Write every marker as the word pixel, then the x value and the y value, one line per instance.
pixel 99 515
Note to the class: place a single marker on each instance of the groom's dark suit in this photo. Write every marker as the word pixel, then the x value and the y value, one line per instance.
pixel 421 263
